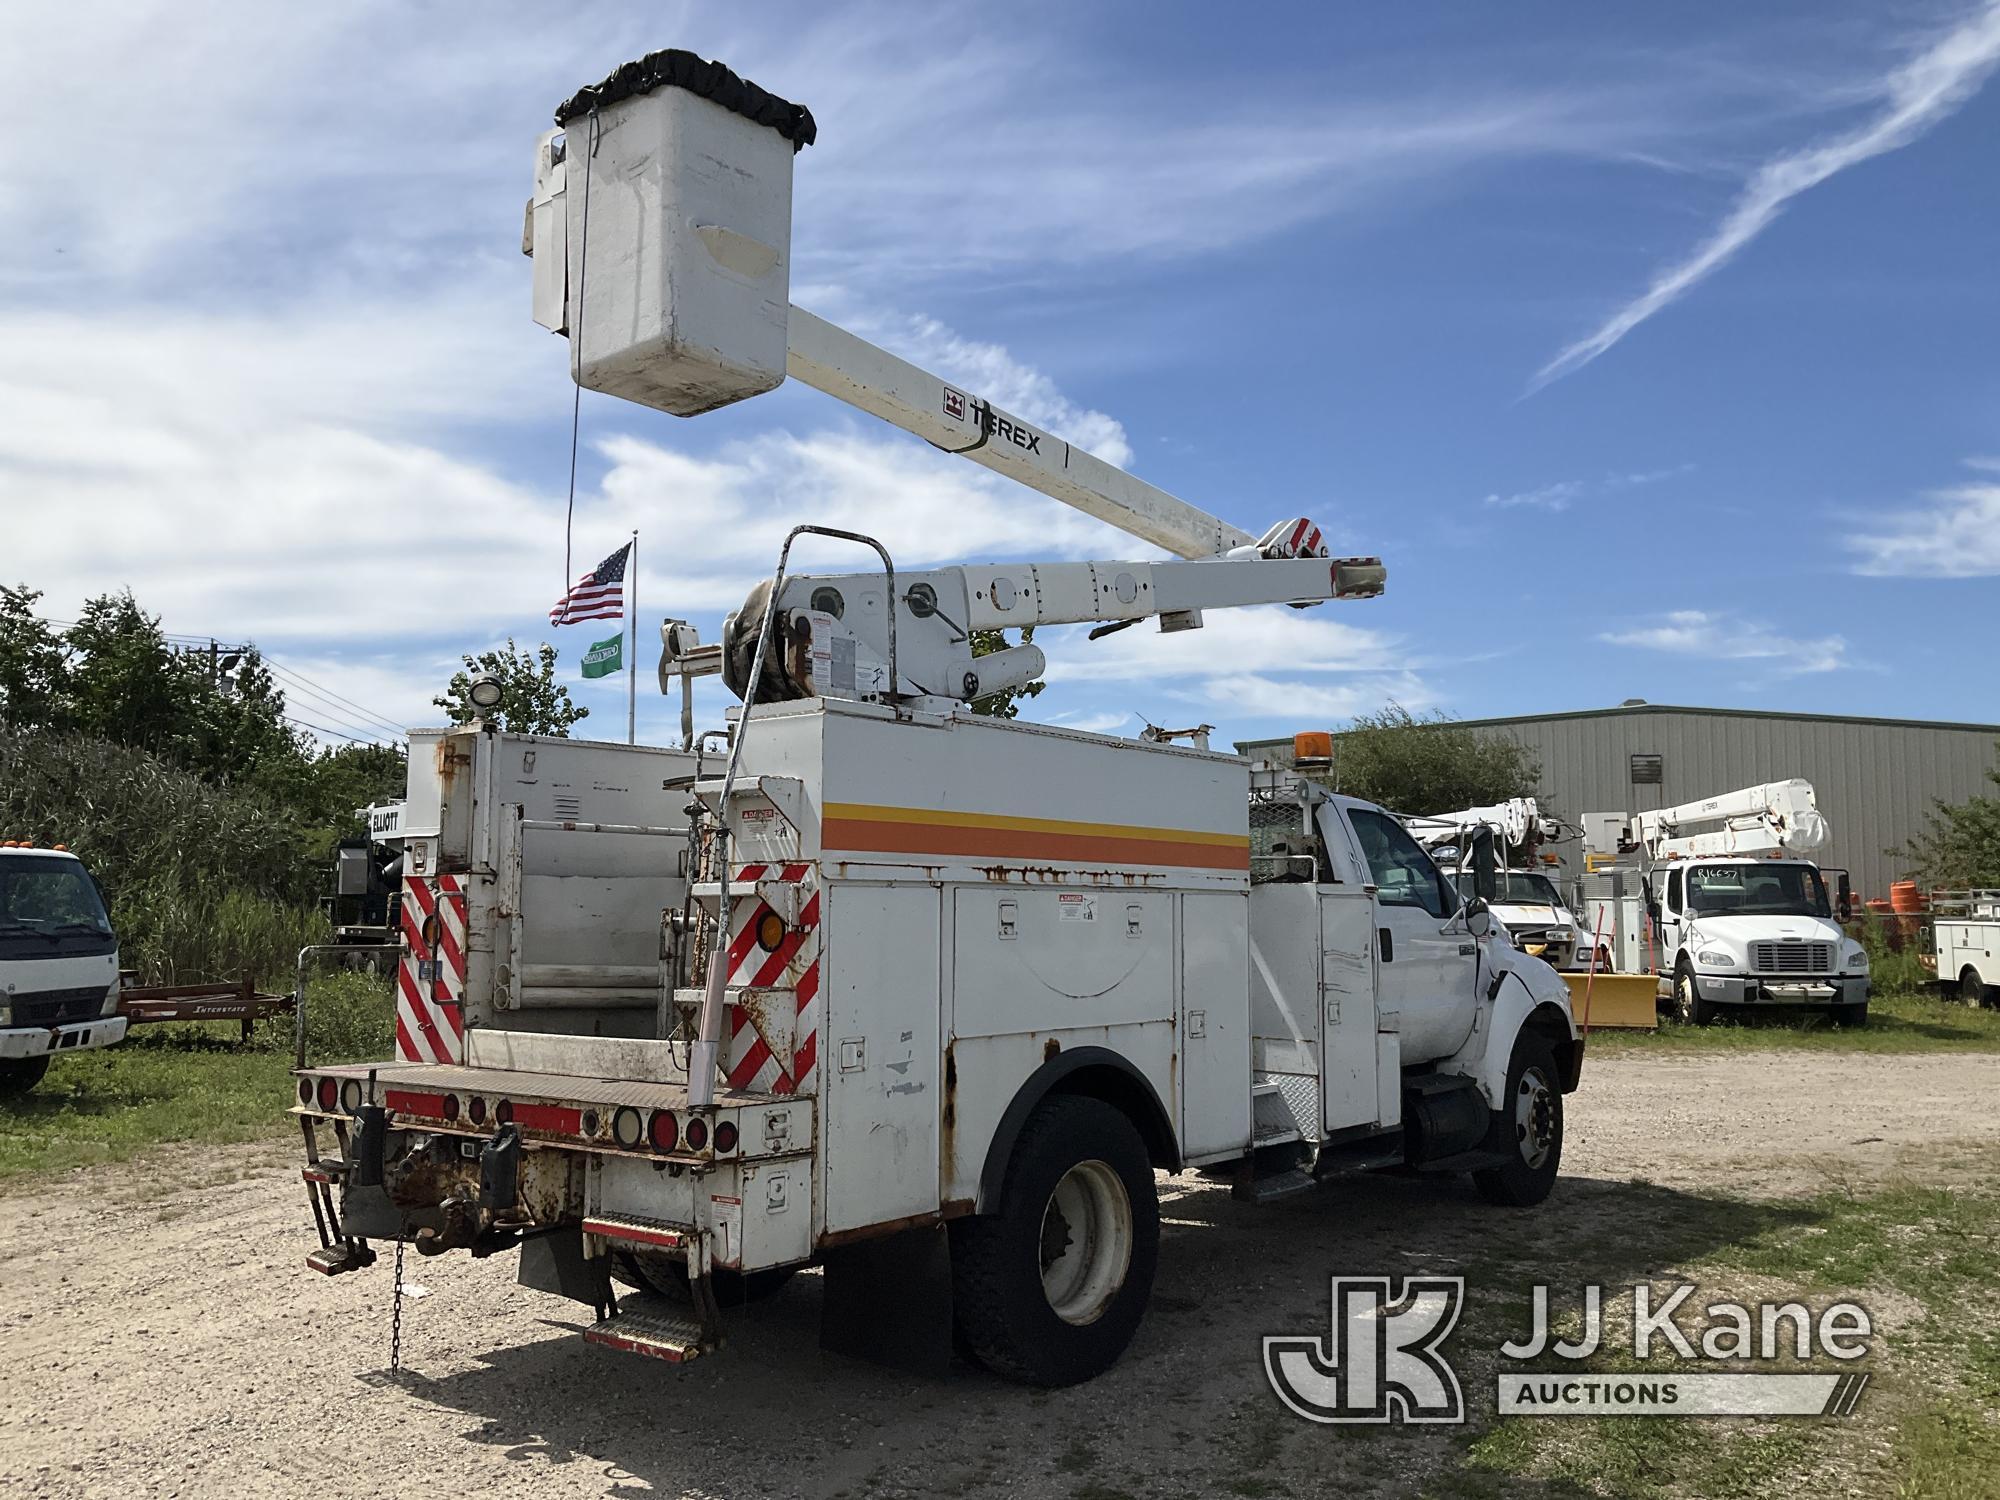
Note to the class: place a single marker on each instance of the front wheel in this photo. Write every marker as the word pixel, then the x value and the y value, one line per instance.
pixel 1852 1015
pixel 1689 1007
pixel 1050 1289
pixel 19 1074
pixel 1528 1128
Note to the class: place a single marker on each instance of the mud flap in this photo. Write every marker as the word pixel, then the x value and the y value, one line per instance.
pixel 365 1207
pixel 888 1301
pixel 555 1263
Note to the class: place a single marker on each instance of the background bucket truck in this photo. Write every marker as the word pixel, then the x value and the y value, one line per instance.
pixel 1726 911
pixel 921 996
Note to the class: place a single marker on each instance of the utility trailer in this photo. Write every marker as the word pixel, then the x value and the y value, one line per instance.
pixel 921 996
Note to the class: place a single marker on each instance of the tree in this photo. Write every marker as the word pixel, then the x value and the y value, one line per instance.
pixel 1005 705
pixel 1960 846
pixel 32 663
pixel 1429 764
pixel 531 700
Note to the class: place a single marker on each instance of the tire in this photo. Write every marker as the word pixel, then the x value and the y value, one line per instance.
pixel 1529 1131
pixel 20 1074
pixel 1689 1008
pixel 665 1276
pixel 1970 991
pixel 1852 1015
pixel 1050 1290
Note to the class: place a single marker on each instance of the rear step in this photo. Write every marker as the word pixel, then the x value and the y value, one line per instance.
pixel 633 1230
pixel 673 1337
pixel 348 1255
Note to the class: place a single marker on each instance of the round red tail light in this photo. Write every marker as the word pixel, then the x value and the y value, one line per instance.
pixel 477 1109
pixel 329 1093
pixel 697 1134
pixel 725 1136
pixel 450 1107
pixel 305 1091
pixel 664 1131
pixel 505 1112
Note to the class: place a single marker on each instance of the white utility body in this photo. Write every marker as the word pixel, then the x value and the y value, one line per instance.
pixel 1965 927
pixel 58 964
pixel 934 994
pixel 1740 916
pixel 1493 852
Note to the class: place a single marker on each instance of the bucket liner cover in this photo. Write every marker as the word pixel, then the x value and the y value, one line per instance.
pixel 674 68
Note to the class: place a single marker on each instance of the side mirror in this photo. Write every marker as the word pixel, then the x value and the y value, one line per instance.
pixel 1478 919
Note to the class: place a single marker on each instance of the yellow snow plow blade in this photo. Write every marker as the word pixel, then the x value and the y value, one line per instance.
pixel 1625 1000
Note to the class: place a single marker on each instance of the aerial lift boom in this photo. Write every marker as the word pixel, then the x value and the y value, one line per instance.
pixel 1779 817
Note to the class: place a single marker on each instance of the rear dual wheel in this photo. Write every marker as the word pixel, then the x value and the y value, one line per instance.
pixel 1971 990
pixel 1050 1289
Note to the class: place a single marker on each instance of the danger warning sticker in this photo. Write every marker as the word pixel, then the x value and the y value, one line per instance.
pixel 1075 906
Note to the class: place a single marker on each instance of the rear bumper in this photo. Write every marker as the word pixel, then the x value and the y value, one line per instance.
pixel 1821 990
pixel 78 1036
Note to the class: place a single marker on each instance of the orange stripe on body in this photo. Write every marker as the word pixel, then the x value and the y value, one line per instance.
pixel 1031 844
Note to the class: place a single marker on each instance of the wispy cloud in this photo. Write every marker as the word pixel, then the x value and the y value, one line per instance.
pixel 1955 533
pixel 1565 493
pixel 1915 97
pixel 1726 636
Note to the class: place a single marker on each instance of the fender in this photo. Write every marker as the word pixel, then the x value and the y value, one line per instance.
pixel 1528 990
pixel 1099 1073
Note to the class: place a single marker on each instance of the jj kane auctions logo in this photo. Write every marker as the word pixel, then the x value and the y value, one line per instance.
pixel 1382 1358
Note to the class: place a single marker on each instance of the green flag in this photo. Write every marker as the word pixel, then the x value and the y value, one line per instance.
pixel 605 657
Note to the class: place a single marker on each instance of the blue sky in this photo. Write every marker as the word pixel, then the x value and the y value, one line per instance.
pixel 1653 348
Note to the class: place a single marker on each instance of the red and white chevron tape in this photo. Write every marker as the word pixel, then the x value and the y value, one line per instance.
pixel 430 979
pixel 773 1043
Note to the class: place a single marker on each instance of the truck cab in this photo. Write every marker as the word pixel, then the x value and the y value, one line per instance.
pixel 58 964
pixel 1743 932
pixel 1537 919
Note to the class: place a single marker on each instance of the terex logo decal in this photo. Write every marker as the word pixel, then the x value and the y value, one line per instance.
pixel 1380 1361
pixel 991 423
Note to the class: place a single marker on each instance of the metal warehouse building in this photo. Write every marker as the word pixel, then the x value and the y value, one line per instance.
pixel 1876 778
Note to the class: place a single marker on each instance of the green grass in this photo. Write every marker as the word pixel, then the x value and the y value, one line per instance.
pixel 1925 1430
pixel 192 1084
pixel 1904 1021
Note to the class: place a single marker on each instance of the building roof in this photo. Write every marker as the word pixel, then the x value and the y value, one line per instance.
pixel 1673 708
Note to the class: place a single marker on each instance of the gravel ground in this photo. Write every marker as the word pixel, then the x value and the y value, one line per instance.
pixel 162 1337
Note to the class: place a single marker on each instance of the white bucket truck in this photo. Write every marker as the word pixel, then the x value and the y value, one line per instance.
pixel 1495 853
pixel 58 964
pixel 945 991
pixel 1739 916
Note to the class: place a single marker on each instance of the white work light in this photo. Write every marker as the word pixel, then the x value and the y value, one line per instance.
pixel 485 691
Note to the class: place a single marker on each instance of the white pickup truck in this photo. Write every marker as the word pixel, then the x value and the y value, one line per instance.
pixel 58 964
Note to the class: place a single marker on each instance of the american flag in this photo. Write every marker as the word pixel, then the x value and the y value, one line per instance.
pixel 598 595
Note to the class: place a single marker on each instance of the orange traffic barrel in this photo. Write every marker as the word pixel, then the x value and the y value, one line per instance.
pixel 1906 898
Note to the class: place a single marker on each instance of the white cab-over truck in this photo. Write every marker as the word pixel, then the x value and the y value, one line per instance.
pixel 1741 917
pixel 921 996
pixel 58 964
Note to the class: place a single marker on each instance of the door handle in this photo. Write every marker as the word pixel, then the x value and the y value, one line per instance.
pixel 1388 941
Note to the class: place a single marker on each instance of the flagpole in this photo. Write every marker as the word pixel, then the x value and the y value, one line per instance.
pixel 632 654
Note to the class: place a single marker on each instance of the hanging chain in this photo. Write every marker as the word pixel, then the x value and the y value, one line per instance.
pixel 396 1317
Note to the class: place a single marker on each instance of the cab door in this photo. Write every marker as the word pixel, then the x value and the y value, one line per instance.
pixel 1425 960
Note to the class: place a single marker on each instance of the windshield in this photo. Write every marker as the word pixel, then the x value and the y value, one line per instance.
pixel 1513 888
pixel 50 908
pixel 1756 890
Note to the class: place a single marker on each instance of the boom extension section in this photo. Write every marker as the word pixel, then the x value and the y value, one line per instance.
pixel 660 227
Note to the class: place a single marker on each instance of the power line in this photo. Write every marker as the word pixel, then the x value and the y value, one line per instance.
pixel 332 699
pixel 353 739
